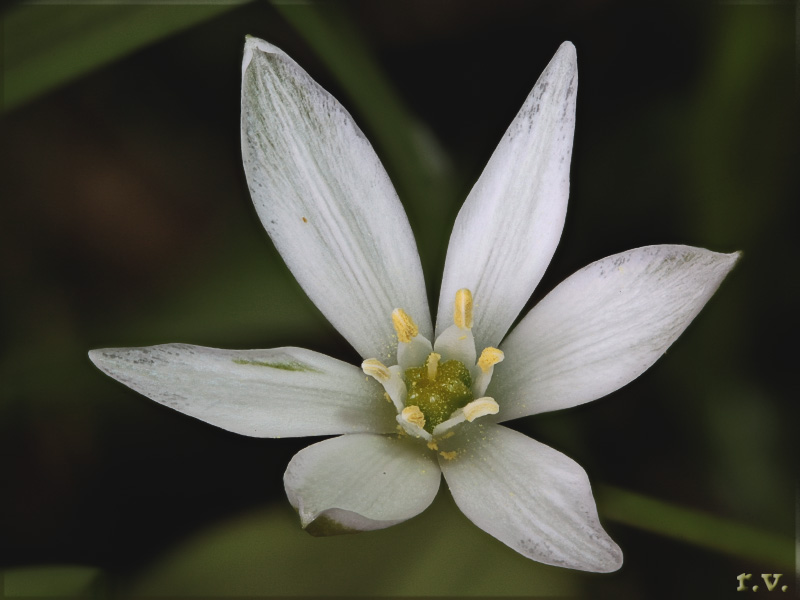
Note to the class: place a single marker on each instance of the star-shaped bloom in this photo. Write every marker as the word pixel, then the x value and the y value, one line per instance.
pixel 426 409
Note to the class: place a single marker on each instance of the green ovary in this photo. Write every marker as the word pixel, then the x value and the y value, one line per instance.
pixel 438 398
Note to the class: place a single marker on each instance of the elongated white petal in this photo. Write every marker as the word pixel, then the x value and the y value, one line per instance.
pixel 529 496
pixel 604 326
pixel 282 392
pixel 327 203
pixel 360 482
pixel 509 226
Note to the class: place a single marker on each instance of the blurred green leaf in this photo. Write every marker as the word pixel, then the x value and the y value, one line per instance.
pixel 723 173
pixel 266 553
pixel 695 527
pixel 46 45
pixel 52 582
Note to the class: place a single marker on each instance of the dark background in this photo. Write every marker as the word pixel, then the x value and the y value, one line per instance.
pixel 126 221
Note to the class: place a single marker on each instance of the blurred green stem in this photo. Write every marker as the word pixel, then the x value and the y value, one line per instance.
pixel 407 145
pixel 695 527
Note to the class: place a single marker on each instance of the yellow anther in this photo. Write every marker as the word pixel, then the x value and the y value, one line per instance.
pixel 490 357
pixel 414 415
pixel 404 325
pixel 479 408
pixel 375 368
pixel 463 312
pixel 449 455
pixel 433 445
pixel 433 365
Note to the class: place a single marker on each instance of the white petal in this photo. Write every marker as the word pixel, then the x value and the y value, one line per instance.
pixel 361 482
pixel 603 327
pixel 327 203
pixel 509 226
pixel 282 392
pixel 530 497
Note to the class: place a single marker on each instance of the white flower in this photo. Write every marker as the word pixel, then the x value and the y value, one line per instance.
pixel 333 214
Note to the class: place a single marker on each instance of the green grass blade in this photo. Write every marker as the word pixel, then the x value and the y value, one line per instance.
pixel 695 527
pixel 47 45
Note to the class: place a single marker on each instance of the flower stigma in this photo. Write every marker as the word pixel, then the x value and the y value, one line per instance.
pixel 439 396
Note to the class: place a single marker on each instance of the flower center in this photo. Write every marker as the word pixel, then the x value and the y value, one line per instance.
pixel 438 389
pixel 439 394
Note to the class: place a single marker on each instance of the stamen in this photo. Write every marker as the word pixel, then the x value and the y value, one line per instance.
pixel 391 378
pixel 412 421
pixel 490 357
pixel 444 427
pixel 375 368
pixel 462 316
pixel 404 325
pixel 433 365
pixel 480 407
pixel 414 415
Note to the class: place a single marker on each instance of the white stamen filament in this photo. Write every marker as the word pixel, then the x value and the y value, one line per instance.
pixel 391 378
pixel 474 410
pixel 412 421
pixel 489 358
pixel 456 418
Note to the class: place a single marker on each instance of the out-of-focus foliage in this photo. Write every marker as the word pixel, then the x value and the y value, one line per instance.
pixel 46 45
pixel 53 582
pixel 696 527
pixel 436 554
